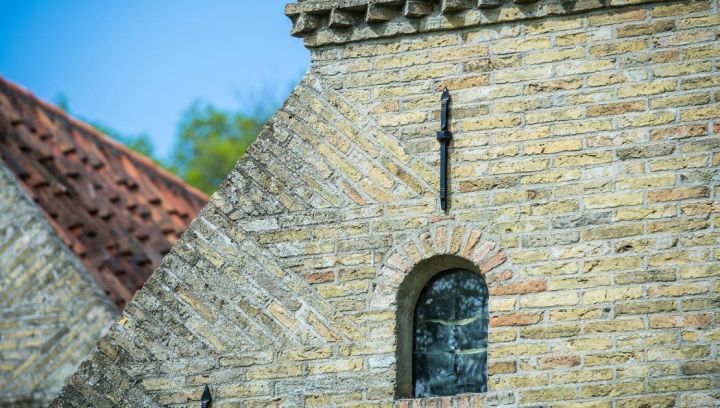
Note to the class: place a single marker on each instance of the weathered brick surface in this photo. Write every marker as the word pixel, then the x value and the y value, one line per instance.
pixel 584 185
pixel 51 311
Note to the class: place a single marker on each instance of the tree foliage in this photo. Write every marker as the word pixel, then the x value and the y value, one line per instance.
pixel 210 141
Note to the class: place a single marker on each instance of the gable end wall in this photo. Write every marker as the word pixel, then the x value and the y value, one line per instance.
pixel 586 146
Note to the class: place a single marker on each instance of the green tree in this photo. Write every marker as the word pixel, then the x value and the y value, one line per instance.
pixel 210 141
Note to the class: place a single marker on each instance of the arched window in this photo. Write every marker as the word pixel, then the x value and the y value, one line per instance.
pixel 450 330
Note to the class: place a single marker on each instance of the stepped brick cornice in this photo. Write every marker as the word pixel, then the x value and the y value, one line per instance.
pixel 321 22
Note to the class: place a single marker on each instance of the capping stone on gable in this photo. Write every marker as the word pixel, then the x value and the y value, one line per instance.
pixel 325 22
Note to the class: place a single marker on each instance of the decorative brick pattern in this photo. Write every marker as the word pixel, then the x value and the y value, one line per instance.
pixel 585 144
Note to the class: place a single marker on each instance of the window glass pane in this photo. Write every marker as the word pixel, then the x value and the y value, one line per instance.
pixel 450 329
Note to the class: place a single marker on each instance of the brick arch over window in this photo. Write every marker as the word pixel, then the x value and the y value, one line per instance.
pixel 409 266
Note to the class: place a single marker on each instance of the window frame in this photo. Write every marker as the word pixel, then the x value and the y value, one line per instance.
pixel 407 297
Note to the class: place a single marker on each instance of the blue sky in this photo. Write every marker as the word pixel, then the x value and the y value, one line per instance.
pixel 136 65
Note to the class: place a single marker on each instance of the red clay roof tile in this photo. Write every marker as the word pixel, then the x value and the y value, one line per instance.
pixel 115 209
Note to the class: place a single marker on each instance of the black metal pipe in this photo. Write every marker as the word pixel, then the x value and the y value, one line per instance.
pixel 444 136
pixel 443 174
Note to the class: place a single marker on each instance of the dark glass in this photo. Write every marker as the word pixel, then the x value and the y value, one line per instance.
pixel 450 329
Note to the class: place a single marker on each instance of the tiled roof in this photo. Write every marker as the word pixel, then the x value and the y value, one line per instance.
pixel 115 209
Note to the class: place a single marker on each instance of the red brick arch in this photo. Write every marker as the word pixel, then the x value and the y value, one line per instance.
pixel 463 242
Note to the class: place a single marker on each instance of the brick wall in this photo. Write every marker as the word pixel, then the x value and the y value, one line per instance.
pixel 51 312
pixel 584 187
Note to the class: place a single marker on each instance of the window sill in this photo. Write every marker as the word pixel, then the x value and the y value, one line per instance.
pixel 459 401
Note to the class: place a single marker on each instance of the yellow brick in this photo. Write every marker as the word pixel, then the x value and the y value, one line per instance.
pixel 650 181
pixel 647 401
pixel 527 74
pixel 554 55
pixel 581 127
pixel 366 50
pixel 581 376
pixel 654 27
pixel 616 325
pixel 647 88
pixel 675 163
pixel 609 264
pixel 678 290
pixel 549 332
pixel 679 384
pixel 551 269
pixel 501 304
pixel 553 115
pixel 612 390
pixel 677 194
pixel 701 21
pixel 498 352
pixel 401 119
pixel 577 314
pixel 429 71
pixel 614 48
pixel 612 294
pixel 613 200
pixel 463 53
pixel 680 100
pixel 335 366
pixel 396 61
pixel 518 135
pixel 704 271
pixel 679 8
pixel 628 214
pixel 553 147
pixel 708 112
pixel 275 371
pixel 582 344
pixel 605 79
pixel 549 299
pixel 616 17
pixel 523 105
pixel 520 45
pixel 491 123
pixel 702 52
pixel 615 108
pixel 688 68
pixel 614 231
pixel 583 159
pixel 519 166
pixel 547 394
pixel 549 25
pixel 646 119
pixel 612 358
pixel 553 176
pixel 584 66
pixel 516 381
pixel 579 282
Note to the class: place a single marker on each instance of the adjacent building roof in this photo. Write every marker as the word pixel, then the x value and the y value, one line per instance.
pixel 118 211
